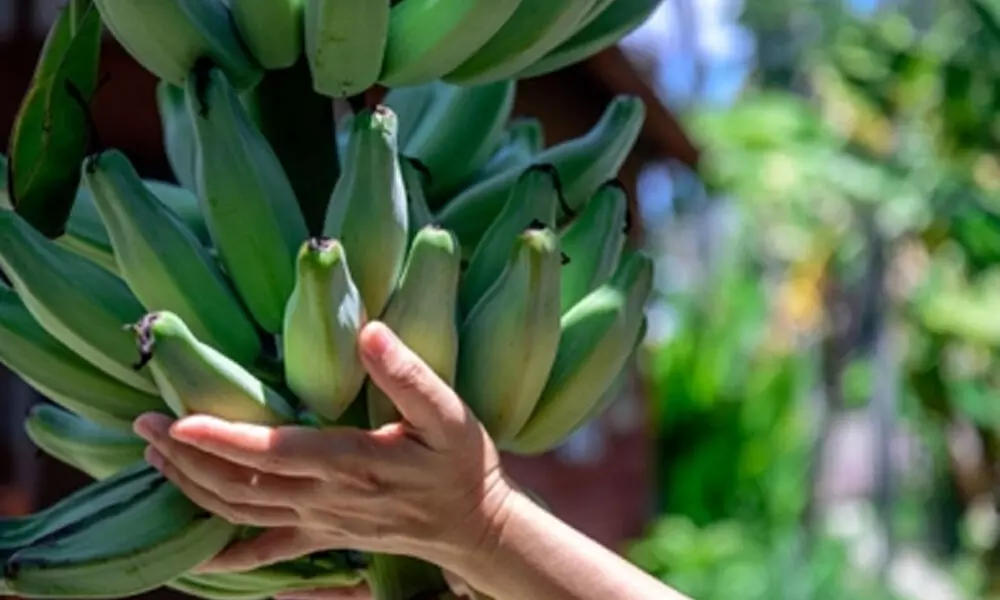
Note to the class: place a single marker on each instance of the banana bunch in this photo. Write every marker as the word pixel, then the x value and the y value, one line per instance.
pixel 501 260
pixel 351 46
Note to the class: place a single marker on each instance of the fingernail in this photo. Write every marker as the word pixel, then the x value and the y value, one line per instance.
pixel 149 426
pixel 154 458
pixel 377 340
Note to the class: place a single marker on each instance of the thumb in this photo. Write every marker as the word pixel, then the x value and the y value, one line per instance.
pixel 422 398
pixel 271 546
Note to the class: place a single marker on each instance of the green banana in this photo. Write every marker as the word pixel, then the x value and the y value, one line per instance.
pixel 583 164
pixel 368 211
pixel 618 19
pixel 183 203
pixel 595 11
pixel 76 301
pixel 508 341
pixel 60 374
pixel 411 103
pixel 179 140
pixel 593 242
pixel 423 311
pixel 534 199
pixel 248 202
pixel 49 136
pixel 325 314
pixel 597 337
pixel 163 262
pixel 345 42
pixel 97 451
pixel 123 549
pixel 167 37
pixel 523 139
pixel 272 30
pixel 460 131
pixel 532 31
pixel 429 38
pixel 193 377
pixel 614 392
pixel 415 177
pixel 80 506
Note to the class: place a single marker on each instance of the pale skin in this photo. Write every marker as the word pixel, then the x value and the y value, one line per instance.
pixel 429 486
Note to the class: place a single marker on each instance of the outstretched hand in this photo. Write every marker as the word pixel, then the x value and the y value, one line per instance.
pixel 429 486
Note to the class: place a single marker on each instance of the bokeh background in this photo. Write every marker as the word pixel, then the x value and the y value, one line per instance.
pixel 815 413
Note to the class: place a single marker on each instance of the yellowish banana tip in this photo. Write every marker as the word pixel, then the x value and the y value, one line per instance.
pixel 322 251
pixel 148 328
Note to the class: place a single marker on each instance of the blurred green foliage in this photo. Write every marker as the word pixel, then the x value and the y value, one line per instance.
pixel 859 183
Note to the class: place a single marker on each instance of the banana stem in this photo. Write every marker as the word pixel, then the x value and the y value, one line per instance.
pixel 299 124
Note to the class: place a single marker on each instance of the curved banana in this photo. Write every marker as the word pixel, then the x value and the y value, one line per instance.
pixel 123 549
pixel 429 38
pixel 532 31
pixel 411 103
pixel 60 375
pixel 534 200
pixel 583 164
pixel 179 140
pixel 248 202
pixel 77 302
pixel 325 314
pixel 593 243
pixel 167 37
pixel 163 262
pixel 618 19
pixel 423 311
pixel 597 337
pixel 272 30
pixel 459 133
pixel 523 139
pixel 345 43
pixel 193 377
pixel 97 451
pixel 508 341
pixel 368 211
pixel 415 178
pixel 183 203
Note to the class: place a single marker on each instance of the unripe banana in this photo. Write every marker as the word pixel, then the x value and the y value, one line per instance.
pixel 97 451
pixel 193 377
pixel 415 178
pixel 183 203
pixel 179 140
pixel 423 311
pixel 593 243
pixel 368 211
pixel 583 164
pixel 459 132
pixel 532 31
pixel 508 341
pixel 163 262
pixel 77 302
pixel 167 37
pixel 248 202
pixel 429 38
pixel 601 30
pixel 523 140
pixel 411 103
pixel 60 374
pixel 597 337
pixel 325 314
pixel 271 29
pixel 123 548
pixel 345 43
pixel 534 200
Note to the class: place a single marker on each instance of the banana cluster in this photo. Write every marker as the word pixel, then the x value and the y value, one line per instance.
pixel 501 260
pixel 352 45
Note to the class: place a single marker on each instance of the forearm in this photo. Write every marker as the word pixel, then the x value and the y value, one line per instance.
pixel 539 557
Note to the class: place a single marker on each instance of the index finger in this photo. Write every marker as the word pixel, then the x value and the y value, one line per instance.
pixel 288 450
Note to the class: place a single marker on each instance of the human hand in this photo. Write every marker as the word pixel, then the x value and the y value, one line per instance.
pixel 429 486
